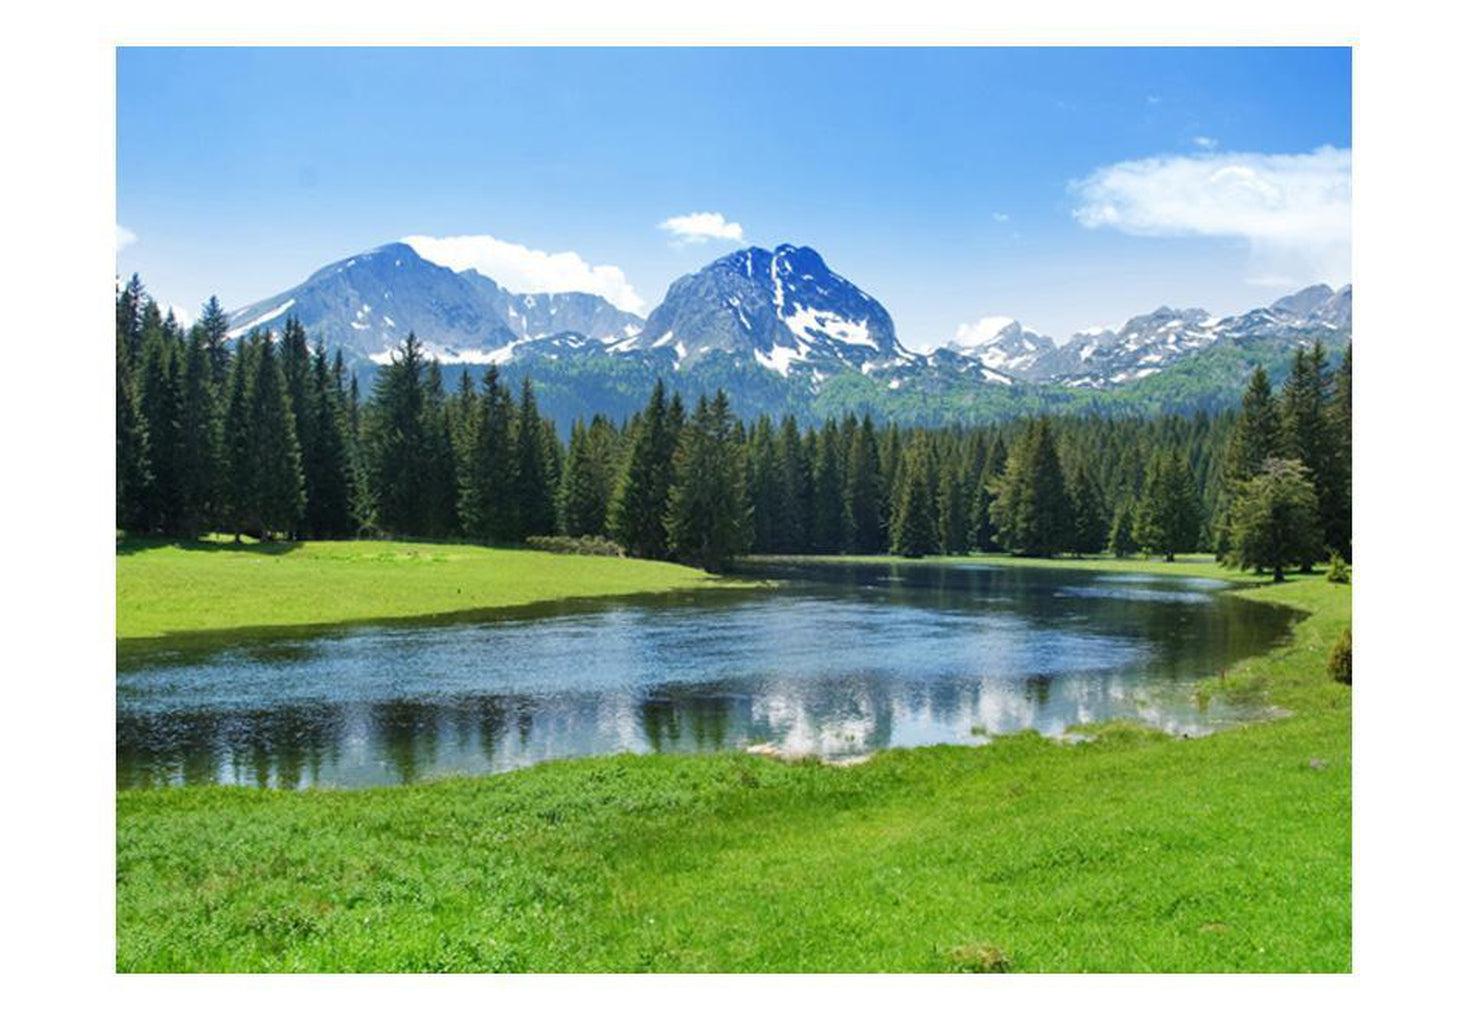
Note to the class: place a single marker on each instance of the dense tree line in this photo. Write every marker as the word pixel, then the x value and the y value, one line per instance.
pixel 1287 496
pixel 267 436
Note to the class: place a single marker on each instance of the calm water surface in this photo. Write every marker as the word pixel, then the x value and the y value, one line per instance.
pixel 838 661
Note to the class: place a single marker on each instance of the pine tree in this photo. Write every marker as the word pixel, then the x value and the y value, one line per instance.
pixel 762 484
pixel 983 532
pixel 534 496
pixel 555 460
pixel 294 355
pixel 708 511
pixel 953 506
pixel 862 506
pixel 440 472
pixel 486 497
pixel 588 478
pixel 239 458
pixel 1032 510
pixel 889 467
pixel 131 301
pixel 395 444
pixel 213 326
pixel 1255 437
pixel 199 438
pixel 279 495
pixel 914 529
pixel 1167 520
pixel 160 400
pixel 1310 439
pixel 1088 527
pixel 1275 519
pixel 329 513
pixel 826 490
pixel 1122 542
pixel 793 484
pixel 639 508
pixel 133 478
pixel 364 509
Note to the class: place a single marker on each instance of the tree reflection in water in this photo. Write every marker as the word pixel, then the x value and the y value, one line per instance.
pixel 840 661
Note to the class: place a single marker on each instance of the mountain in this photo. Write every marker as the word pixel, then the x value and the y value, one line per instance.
pixel 543 314
pixel 1146 344
pixel 1003 345
pixel 783 333
pixel 366 304
pixel 785 308
pixel 1140 347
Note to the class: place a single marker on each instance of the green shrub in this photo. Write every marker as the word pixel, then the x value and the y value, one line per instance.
pixel 1339 664
pixel 586 545
pixel 1339 571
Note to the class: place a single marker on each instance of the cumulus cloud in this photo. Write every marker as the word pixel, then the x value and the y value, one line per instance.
pixel 528 270
pixel 1293 210
pixel 1000 217
pixel 125 237
pixel 1205 142
pixel 697 227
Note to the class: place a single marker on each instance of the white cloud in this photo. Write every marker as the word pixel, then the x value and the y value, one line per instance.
pixel 1001 217
pixel 1293 210
pixel 1205 142
pixel 125 237
pixel 697 227
pixel 528 270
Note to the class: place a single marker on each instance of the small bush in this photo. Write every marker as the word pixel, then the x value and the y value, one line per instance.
pixel 1339 571
pixel 979 958
pixel 586 545
pixel 1339 664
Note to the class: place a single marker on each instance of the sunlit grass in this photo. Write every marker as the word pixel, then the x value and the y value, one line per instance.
pixel 194 588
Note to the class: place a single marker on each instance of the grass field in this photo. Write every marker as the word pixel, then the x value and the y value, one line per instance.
pixel 205 590
pixel 1131 852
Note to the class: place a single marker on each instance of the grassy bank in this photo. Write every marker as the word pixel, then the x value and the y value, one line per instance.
pixel 1132 852
pixel 199 589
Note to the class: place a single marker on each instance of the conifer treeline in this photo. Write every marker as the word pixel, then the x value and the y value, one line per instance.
pixel 267 436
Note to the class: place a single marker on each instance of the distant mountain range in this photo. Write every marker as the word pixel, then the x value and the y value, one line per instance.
pixel 365 305
pixel 1146 344
pixel 785 333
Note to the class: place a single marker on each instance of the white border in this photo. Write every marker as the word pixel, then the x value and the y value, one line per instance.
pixel 58 82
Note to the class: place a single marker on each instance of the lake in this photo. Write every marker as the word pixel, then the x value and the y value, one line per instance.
pixel 838 660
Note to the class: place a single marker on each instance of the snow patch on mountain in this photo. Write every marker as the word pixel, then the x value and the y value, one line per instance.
pixel 261 319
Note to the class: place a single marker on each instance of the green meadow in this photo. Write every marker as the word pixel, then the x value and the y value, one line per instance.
pixel 171 591
pixel 1127 850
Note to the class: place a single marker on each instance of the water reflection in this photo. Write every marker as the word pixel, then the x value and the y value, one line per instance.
pixel 841 661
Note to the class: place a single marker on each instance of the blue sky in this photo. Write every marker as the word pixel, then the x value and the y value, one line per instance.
pixel 1064 187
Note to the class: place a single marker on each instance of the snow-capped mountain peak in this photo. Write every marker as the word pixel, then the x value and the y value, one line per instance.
pixel 367 303
pixel 784 309
pixel 1002 344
